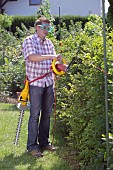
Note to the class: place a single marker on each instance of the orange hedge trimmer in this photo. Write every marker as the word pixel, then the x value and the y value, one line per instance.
pixel 57 68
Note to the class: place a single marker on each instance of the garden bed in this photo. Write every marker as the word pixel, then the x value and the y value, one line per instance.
pixel 5 99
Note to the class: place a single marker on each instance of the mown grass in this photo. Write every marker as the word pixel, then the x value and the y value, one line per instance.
pixel 15 157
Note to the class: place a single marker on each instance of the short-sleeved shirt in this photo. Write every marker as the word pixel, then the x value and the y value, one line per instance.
pixel 34 45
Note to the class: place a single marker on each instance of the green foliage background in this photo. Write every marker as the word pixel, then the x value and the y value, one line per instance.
pixel 80 93
pixel 81 100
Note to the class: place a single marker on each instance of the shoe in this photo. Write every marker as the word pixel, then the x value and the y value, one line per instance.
pixel 35 153
pixel 49 148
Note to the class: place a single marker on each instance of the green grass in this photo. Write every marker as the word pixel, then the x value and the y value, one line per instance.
pixel 15 157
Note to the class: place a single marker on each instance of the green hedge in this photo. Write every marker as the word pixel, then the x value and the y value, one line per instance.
pixel 17 20
pixel 67 20
pixel 28 21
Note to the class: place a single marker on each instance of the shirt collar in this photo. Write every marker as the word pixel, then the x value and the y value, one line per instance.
pixel 39 39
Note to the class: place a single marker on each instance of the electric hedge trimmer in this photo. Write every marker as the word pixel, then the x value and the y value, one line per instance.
pixel 23 100
pixel 23 104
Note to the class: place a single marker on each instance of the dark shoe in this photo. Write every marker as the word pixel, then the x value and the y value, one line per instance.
pixel 49 148
pixel 35 153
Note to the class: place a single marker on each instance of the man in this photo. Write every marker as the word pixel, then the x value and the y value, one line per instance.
pixel 38 53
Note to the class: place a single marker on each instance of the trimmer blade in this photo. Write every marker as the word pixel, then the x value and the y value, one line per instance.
pixel 19 127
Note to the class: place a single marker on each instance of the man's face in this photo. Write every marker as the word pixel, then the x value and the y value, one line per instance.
pixel 43 29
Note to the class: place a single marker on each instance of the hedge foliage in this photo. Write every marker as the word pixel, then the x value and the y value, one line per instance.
pixel 28 21
pixel 81 93
pixel 110 13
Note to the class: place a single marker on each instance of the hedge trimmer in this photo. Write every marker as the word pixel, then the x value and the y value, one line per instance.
pixel 23 104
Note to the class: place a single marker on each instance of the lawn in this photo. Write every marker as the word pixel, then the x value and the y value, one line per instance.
pixel 14 157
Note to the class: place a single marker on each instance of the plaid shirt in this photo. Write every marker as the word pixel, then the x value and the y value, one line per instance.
pixel 34 45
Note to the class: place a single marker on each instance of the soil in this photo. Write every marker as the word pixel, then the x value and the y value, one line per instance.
pixel 5 99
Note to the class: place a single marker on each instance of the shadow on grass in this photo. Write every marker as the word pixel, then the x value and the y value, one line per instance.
pixel 27 162
pixel 8 107
pixel 24 161
pixel 65 152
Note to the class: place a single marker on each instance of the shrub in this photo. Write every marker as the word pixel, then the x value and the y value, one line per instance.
pixel 81 103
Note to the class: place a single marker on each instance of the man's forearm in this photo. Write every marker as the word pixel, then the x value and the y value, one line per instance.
pixel 38 58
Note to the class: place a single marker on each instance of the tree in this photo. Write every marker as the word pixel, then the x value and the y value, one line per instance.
pixel 110 13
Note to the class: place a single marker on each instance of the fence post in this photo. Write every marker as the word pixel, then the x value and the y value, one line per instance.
pixel 106 84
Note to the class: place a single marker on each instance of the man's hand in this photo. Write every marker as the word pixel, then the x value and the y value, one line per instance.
pixel 59 57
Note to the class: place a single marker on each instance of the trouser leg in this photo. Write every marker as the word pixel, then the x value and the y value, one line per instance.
pixel 33 124
pixel 47 105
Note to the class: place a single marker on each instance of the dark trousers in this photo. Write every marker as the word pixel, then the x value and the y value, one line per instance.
pixel 41 104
